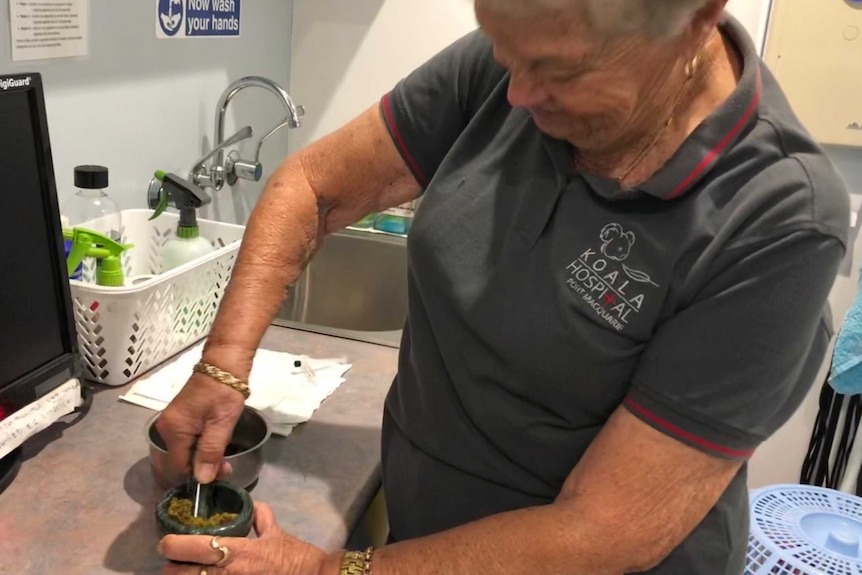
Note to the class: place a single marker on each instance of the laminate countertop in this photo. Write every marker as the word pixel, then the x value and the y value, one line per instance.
pixel 83 502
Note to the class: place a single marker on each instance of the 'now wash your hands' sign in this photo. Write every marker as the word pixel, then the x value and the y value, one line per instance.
pixel 197 18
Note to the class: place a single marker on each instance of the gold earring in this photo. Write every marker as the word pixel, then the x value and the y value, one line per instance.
pixel 691 66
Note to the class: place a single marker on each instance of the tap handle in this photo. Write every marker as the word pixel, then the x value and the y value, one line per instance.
pixel 237 168
pixel 283 124
pixel 288 122
pixel 243 134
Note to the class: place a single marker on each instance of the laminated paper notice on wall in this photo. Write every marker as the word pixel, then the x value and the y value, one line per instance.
pixel 42 29
pixel 39 415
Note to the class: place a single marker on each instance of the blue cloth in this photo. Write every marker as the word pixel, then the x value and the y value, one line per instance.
pixel 846 374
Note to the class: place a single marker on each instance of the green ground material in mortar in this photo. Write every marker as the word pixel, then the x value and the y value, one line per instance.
pixel 180 510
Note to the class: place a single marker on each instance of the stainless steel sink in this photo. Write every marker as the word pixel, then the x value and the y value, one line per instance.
pixel 355 287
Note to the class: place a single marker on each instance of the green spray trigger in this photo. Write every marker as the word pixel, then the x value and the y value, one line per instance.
pixel 89 244
pixel 163 197
pixel 171 190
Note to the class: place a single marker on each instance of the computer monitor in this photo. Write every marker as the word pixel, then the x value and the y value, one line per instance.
pixel 38 345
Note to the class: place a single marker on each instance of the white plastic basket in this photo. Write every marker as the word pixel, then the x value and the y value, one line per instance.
pixel 125 331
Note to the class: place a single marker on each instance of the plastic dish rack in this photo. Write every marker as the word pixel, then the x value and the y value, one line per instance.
pixel 125 331
pixel 804 530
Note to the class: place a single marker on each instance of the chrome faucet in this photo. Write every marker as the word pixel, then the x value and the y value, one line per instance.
pixel 231 168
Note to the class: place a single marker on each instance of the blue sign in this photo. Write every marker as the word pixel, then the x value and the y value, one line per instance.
pixel 197 18
pixel 170 16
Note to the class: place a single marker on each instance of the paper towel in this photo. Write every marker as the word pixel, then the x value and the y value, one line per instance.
pixel 287 395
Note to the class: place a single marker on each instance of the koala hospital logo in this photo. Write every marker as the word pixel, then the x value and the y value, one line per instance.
pixel 616 244
pixel 610 287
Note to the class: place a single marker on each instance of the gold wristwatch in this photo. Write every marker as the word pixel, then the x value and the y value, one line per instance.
pixel 357 562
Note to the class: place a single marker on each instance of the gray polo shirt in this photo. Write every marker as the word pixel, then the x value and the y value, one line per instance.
pixel 541 299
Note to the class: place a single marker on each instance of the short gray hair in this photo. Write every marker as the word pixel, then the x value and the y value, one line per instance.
pixel 656 18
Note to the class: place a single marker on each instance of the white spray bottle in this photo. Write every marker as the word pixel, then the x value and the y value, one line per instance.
pixel 187 244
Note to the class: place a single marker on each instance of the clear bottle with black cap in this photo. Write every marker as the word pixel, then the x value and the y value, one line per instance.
pixel 91 206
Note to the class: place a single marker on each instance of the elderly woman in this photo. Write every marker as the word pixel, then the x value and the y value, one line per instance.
pixel 618 289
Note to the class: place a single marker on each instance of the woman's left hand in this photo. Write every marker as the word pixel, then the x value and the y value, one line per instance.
pixel 274 551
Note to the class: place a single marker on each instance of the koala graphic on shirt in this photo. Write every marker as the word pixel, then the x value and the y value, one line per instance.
pixel 616 243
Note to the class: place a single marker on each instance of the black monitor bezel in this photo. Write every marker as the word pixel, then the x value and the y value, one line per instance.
pixel 26 389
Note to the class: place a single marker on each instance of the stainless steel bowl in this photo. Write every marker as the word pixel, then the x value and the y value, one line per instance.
pixel 244 452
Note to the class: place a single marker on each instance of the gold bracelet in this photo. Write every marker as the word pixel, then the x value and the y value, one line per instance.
pixel 357 562
pixel 223 377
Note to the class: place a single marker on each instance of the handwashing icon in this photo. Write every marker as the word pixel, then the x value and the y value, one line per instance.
pixel 170 20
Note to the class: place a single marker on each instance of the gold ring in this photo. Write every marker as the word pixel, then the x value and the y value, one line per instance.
pixel 225 553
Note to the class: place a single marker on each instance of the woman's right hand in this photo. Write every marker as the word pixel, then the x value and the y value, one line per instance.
pixel 202 415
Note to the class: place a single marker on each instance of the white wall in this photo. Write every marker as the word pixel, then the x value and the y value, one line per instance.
pixel 754 14
pixel 136 103
pixel 348 53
